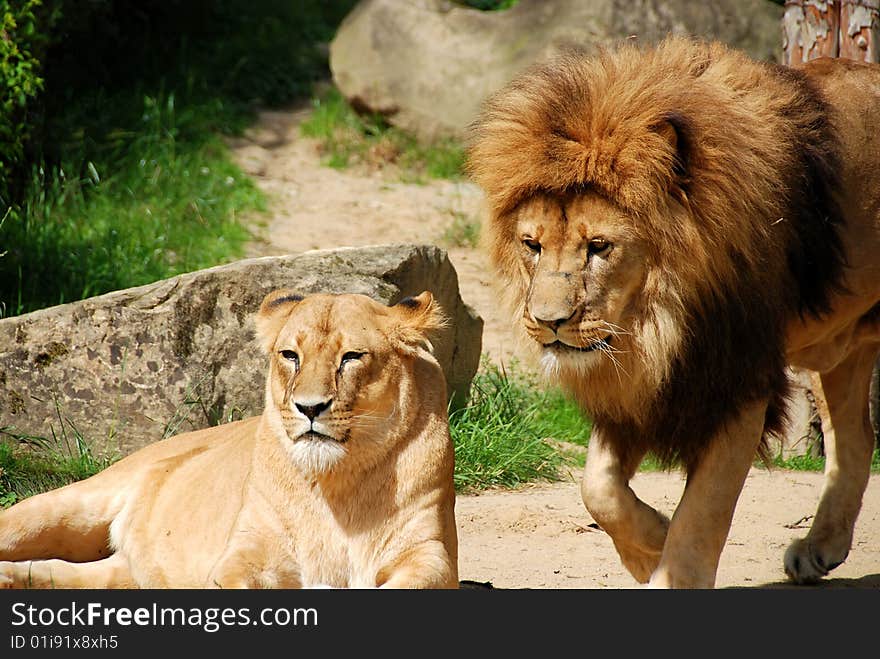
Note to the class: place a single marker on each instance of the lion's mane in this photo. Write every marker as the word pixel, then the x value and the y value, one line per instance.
pixel 728 167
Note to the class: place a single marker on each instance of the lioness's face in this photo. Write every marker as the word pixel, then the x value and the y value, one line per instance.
pixel 335 369
pixel 585 267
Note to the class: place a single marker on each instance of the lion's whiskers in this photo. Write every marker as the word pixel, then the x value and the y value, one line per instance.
pixel 607 349
pixel 610 352
pixel 614 330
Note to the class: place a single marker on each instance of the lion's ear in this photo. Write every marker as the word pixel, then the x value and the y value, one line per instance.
pixel 674 129
pixel 417 318
pixel 273 313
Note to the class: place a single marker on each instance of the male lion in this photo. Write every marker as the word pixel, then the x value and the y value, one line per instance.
pixel 344 481
pixel 672 226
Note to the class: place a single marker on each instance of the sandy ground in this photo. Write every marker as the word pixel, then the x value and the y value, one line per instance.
pixel 538 536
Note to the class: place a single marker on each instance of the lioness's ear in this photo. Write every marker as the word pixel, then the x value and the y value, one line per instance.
pixel 418 317
pixel 273 313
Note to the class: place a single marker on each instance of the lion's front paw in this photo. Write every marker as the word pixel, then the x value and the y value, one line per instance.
pixel 807 564
pixel 640 563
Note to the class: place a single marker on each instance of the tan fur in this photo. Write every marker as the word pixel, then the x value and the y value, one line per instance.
pixel 671 225
pixel 264 502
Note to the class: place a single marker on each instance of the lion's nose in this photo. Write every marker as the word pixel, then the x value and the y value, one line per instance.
pixel 553 321
pixel 312 410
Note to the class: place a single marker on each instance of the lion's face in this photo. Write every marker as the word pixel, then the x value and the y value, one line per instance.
pixel 339 365
pixel 584 267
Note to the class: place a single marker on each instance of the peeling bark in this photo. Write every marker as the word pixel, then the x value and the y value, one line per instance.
pixel 810 29
pixel 860 30
pixel 831 28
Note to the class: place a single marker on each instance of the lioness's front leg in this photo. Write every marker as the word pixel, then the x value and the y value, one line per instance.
pixel 701 522
pixel 637 530
pixel 112 572
pixel 427 565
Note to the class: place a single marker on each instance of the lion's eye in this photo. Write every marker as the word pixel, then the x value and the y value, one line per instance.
pixel 598 246
pixel 532 244
pixel 290 356
pixel 350 357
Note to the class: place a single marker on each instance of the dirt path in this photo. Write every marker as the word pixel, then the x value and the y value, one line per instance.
pixel 538 536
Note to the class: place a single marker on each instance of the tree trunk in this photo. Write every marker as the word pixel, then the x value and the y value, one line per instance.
pixel 875 401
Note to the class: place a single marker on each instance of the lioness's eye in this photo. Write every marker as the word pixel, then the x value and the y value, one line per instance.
pixel 532 244
pixel 291 356
pixel 350 356
pixel 597 246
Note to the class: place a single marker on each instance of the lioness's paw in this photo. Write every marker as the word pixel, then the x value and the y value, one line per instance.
pixel 805 564
pixel 6 578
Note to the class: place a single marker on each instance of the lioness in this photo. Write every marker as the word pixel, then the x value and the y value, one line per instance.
pixel 672 225
pixel 346 480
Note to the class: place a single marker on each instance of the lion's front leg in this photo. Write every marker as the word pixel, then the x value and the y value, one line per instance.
pixel 637 530
pixel 701 522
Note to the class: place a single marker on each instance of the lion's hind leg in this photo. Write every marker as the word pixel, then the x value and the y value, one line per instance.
pixel 112 572
pixel 637 530
pixel 849 443
pixel 70 523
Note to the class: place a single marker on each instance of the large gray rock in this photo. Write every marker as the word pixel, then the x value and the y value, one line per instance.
pixel 428 64
pixel 129 367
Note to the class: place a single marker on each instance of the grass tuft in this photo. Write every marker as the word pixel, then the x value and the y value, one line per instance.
pixel 31 465
pixel 348 139
pixel 810 462
pixel 503 437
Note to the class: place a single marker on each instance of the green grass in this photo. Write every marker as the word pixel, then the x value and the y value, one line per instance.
pixel 349 139
pixel 817 463
pixel 31 465
pixel 501 436
pixel 160 197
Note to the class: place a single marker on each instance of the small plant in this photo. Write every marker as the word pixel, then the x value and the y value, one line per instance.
pixel 348 139
pixel 211 415
pixel 463 231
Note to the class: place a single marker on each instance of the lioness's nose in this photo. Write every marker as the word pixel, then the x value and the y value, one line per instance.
pixel 311 410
